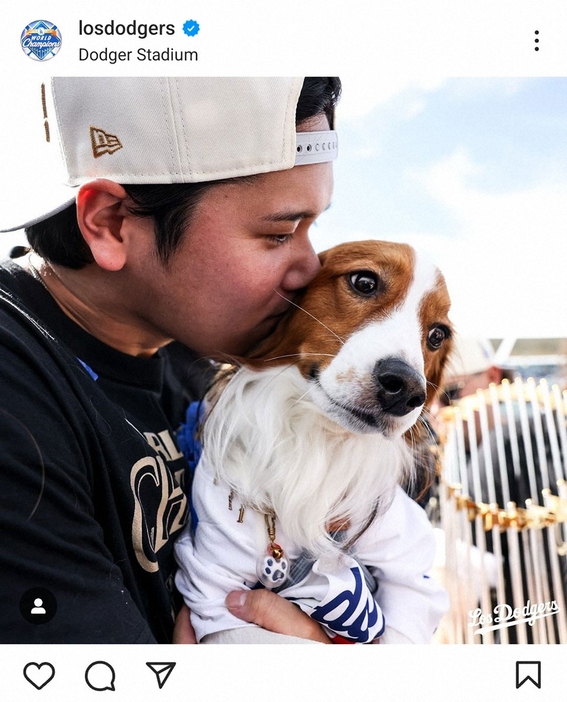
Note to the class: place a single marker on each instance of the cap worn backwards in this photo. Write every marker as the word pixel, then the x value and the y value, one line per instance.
pixel 159 130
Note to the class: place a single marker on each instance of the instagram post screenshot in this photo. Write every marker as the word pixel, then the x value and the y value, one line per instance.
pixel 283 350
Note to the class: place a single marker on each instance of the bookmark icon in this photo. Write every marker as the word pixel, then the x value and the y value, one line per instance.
pixel 162 671
pixel 528 670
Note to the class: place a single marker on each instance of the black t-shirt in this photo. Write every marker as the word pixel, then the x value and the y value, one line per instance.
pixel 91 480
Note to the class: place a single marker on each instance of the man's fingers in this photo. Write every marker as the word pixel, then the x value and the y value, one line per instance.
pixel 274 613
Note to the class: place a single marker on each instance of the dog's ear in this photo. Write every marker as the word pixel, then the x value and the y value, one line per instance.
pixel 421 437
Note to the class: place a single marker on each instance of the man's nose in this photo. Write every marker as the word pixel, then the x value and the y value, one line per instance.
pixel 303 269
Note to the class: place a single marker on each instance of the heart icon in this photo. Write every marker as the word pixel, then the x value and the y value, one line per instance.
pixel 39 674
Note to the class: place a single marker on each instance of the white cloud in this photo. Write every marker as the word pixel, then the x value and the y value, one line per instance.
pixel 506 264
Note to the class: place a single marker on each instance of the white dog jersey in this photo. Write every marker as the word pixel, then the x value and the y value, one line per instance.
pixel 219 554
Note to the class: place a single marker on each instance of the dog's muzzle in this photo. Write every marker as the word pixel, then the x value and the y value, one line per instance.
pixel 399 388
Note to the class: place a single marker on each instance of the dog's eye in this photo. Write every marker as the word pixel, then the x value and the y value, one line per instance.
pixel 436 336
pixel 364 283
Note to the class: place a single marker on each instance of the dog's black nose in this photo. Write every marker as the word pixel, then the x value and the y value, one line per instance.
pixel 400 389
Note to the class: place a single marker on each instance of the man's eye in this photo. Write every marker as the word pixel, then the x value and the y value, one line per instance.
pixel 436 336
pixel 364 283
pixel 280 239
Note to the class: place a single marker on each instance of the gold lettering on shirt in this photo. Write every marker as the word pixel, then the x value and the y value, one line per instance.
pixel 152 482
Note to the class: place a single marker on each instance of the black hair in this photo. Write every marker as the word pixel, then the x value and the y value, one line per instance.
pixel 58 239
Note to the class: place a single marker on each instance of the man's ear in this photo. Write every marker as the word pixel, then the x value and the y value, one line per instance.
pixel 100 215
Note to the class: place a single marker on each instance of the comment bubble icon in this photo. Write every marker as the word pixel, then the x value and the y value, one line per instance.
pixel 100 676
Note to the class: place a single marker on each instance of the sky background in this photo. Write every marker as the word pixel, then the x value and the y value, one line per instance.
pixel 474 171
pixel 471 170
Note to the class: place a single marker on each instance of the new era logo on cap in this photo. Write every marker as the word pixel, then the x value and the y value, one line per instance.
pixel 103 143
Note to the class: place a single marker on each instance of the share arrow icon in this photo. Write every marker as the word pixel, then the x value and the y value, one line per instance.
pixel 162 671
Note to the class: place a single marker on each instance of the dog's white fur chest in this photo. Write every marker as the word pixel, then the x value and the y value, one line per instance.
pixel 280 453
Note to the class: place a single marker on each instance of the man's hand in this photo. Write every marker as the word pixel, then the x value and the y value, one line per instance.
pixel 274 613
pixel 183 631
pixel 260 607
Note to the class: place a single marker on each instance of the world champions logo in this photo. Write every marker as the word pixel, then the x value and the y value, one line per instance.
pixel 40 40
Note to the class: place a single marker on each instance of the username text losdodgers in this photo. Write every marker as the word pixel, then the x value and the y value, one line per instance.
pixel 133 29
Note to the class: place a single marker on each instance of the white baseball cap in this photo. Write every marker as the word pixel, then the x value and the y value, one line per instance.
pixel 156 130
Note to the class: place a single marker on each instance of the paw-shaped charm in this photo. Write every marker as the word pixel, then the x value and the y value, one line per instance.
pixel 272 570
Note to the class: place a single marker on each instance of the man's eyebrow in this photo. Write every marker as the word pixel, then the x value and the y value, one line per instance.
pixel 292 215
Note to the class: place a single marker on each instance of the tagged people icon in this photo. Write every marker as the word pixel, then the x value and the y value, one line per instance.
pixel 38 605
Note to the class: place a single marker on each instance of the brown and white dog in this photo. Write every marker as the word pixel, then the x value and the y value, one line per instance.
pixel 370 335
pixel 312 429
